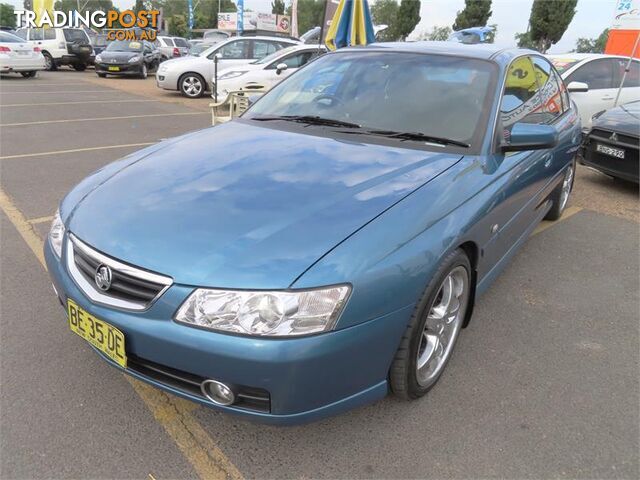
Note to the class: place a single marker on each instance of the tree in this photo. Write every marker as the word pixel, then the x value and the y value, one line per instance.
pixel 475 13
pixel 593 45
pixel 310 14
pixel 385 12
pixel 524 40
pixel 178 26
pixel 407 19
pixel 436 34
pixel 277 6
pixel 549 20
pixel 7 17
pixel 85 5
pixel 491 36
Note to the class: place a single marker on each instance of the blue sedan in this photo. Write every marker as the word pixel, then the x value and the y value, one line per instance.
pixel 328 246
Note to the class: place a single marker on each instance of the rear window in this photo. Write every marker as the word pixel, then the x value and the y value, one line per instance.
pixel 180 42
pixel 563 64
pixel 75 35
pixel 168 42
pixel 6 37
pixel 100 40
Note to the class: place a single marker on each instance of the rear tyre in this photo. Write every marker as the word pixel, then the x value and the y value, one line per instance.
pixel 430 337
pixel 560 197
pixel 79 67
pixel 143 71
pixel 49 64
pixel 30 74
pixel 191 85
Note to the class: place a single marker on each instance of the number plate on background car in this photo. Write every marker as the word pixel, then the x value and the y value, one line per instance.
pixel 114 69
pixel 106 338
pixel 614 152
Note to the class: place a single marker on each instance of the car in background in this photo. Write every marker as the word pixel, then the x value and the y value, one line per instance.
pixel 127 58
pixel 612 144
pixel 99 43
pixel 171 47
pixel 326 247
pixel 593 81
pixel 473 35
pixel 268 71
pixel 215 36
pixel 191 75
pixel 200 47
pixel 19 56
pixel 61 46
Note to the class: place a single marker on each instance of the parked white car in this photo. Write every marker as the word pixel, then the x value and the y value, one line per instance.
pixel 188 74
pixel 171 47
pixel 268 71
pixel 60 46
pixel 19 56
pixel 593 81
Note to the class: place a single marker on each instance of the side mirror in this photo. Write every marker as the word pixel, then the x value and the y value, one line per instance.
pixel 530 136
pixel 281 67
pixel 578 87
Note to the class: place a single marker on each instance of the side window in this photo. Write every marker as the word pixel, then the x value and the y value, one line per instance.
pixel 36 34
pixel 598 74
pixel 22 33
pixel 168 42
pixel 262 48
pixel 633 75
pixel 49 34
pixel 234 50
pixel 295 60
pixel 550 96
pixel 521 97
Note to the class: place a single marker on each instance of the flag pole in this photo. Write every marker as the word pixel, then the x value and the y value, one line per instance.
pixel 627 68
pixel 324 22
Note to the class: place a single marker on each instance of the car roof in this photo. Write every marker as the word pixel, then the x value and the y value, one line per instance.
pixel 484 51
pixel 582 56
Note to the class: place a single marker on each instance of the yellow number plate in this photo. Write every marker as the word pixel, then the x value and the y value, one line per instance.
pixel 106 338
pixel 114 69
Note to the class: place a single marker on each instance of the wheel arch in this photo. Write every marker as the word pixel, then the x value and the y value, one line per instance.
pixel 472 251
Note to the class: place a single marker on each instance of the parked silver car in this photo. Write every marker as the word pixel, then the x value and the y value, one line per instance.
pixel 192 74
pixel 171 47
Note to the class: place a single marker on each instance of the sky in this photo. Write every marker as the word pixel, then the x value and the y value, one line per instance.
pixel 512 16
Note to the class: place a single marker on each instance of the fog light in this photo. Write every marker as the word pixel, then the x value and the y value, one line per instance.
pixel 217 392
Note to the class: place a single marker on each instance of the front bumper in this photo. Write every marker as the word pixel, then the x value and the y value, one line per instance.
pixel 306 378
pixel 166 80
pixel 627 168
pixel 124 69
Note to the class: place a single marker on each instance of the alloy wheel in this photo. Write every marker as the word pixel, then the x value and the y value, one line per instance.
pixel 192 86
pixel 566 187
pixel 442 326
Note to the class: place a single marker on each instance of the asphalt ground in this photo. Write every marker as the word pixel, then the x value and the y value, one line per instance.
pixel 543 384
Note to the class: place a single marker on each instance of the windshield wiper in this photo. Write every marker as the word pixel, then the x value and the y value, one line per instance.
pixel 418 136
pixel 309 119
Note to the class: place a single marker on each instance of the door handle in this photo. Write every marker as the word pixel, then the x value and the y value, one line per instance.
pixel 607 97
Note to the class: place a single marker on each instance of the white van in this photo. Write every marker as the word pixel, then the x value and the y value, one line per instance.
pixel 61 46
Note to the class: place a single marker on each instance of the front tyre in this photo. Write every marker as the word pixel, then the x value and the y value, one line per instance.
pixel 144 72
pixel 49 63
pixel 79 67
pixel 434 327
pixel 560 197
pixel 191 85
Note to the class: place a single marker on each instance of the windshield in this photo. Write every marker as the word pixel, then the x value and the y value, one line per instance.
pixel 435 95
pixel 274 55
pixel 100 40
pixel 563 64
pixel 199 48
pixel 124 46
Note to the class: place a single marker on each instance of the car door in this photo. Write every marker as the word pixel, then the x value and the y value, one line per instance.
pixel 599 75
pixel 234 52
pixel 521 176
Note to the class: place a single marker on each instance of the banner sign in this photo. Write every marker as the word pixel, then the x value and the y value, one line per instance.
pixel 627 15
pixel 240 17
pixel 329 11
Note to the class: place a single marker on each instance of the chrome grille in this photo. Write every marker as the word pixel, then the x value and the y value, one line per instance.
pixel 130 287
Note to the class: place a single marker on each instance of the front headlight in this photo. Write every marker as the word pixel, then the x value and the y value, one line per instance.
pixel 98 59
pixel 163 68
pixel 234 74
pixel 56 234
pixel 265 313
pixel 135 59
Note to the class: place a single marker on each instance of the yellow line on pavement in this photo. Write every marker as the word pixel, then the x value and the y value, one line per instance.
pixel 25 229
pixel 548 224
pixel 34 221
pixel 174 414
pixel 76 150
pixel 73 103
pixel 43 122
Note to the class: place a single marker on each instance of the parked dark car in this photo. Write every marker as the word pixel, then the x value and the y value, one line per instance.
pixel 612 144
pixel 129 58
